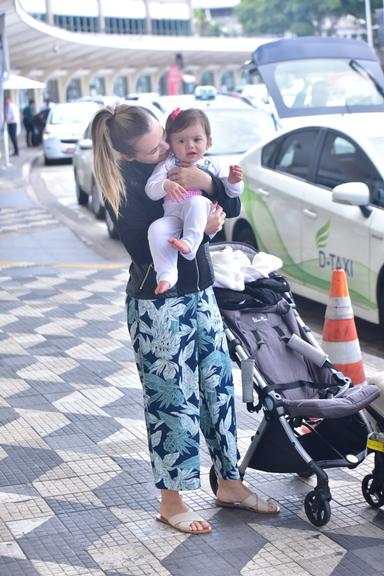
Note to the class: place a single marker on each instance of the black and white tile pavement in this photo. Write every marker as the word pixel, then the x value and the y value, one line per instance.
pixel 76 492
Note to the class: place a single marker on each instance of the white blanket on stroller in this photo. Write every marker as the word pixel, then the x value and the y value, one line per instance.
pixel 233 268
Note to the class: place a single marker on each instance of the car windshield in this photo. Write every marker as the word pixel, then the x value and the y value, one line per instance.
pixel 73 113
pixel 235 131
pixel 325 82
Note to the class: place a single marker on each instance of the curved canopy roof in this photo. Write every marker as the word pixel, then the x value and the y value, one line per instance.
pixel 41 51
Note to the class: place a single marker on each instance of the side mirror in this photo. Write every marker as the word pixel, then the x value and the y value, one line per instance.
pixel 85 144
pixel 353 194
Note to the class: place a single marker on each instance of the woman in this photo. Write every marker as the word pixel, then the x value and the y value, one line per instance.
pixel 177 337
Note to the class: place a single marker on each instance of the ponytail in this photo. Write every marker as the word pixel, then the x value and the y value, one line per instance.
pixel 114 131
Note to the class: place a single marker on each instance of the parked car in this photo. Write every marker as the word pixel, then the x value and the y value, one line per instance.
pixel 65 124
pixel 318 76
pixel 314 196
pixel 236 126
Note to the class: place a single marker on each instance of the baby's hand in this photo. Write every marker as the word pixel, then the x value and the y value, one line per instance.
pixel 235 174
pixel 174 190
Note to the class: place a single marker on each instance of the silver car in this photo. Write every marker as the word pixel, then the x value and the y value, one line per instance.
pixel 65 125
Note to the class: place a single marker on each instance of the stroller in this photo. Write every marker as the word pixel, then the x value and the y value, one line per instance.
pixel 312 415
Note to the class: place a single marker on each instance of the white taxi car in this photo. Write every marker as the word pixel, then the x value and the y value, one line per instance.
pixel 64 126
pixel 314 196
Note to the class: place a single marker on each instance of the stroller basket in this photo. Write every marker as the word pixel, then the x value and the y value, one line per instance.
pixel 312 413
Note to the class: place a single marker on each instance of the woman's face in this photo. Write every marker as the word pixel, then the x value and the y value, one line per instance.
pixel 151 147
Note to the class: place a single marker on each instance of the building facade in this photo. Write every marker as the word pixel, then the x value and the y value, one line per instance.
pixel 114 47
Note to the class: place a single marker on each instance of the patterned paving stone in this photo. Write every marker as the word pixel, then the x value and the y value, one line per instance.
pixel 24 507
pixel 97 428
pixel 7 415
pixel 55 569
pixel 69 442
pixel 17 567
pixel 63 548
pixel 5 534
pixel 76 489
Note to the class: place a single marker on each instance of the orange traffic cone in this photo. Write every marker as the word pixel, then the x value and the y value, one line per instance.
pixel 339 338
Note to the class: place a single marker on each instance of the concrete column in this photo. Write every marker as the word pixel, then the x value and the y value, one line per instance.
pixel 108 85
pixel 84 84
pixel 49 12
pixel 191 18
pixel 61 86
pixel 100 5
pixel 148 19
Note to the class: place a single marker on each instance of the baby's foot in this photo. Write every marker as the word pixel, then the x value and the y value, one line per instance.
pixel 180 245
pixel 163 286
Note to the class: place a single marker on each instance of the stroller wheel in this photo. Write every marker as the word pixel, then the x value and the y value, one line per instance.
pixel 213 480
pixel 372 493
pixel 317 509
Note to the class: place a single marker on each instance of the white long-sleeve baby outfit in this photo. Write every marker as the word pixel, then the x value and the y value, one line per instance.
pixel 186 219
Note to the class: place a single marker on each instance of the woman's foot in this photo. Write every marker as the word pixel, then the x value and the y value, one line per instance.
pixel 162 287
pixel 172 504
pixel 180 245
pixel 234 494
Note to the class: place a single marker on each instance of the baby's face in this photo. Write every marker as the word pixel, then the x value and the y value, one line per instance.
pixel 190 144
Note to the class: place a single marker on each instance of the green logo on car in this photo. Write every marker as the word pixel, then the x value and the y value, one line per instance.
pixel 322 235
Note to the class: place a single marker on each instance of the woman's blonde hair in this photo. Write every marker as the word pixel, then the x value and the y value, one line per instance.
pixel 114 132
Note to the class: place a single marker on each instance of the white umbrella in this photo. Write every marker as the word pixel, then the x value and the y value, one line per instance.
pixel 14 82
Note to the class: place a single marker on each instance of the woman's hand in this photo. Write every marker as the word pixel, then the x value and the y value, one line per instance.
pixel 215 220
pixel 191 178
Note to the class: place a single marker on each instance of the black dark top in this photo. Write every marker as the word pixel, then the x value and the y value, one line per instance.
pixel 136 214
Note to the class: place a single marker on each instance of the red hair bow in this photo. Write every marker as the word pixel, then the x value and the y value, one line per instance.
pixel 175 113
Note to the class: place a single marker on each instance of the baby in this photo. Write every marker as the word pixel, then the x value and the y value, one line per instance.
pixel 181 229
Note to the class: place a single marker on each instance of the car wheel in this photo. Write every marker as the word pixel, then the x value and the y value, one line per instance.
pixel 245 235
pixel 47 161
pixel 82 197
pixel 111 226
pixel 97 202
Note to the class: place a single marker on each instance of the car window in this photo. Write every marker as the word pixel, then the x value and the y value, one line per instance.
pixel 296 152
pixel 235 131
pixel 72 113
pixel 326 83
pixel 269 152
pixel 342 160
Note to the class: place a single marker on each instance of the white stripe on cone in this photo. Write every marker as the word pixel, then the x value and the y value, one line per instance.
pixel 343 352
pixel 339 308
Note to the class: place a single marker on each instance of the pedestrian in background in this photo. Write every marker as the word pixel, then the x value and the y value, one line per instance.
pixel 28 113
pixel 12 119
pixel 177 337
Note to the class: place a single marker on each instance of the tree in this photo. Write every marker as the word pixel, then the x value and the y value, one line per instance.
pixel 204 25
pixel 300 17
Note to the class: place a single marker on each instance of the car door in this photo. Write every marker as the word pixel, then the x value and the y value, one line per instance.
pixel 337 235
pixel 276 182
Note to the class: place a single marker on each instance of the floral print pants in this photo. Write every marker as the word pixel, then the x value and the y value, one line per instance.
pixel 186 372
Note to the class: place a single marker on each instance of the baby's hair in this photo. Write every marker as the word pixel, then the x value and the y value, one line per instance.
pixel 116 129
pixel 180 119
